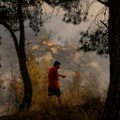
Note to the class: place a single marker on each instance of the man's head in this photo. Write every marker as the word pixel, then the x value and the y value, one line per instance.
pixel 57 64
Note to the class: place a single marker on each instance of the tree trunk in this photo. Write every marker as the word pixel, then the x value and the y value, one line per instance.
pixel 112 106
pixel 26 103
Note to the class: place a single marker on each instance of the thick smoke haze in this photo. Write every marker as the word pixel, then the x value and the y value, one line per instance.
pixel 62 33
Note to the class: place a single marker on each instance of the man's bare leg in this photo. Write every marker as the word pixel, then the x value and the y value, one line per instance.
pixel 59 100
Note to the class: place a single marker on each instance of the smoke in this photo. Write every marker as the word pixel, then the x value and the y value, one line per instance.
pixel 62 32
pixel 87 63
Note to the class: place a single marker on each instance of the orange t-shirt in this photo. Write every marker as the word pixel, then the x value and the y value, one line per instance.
pixel 53 78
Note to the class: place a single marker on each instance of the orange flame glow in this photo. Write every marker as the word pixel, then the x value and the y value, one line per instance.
pixel 47 43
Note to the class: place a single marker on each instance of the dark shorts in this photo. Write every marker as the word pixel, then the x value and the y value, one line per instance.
pixel 53 91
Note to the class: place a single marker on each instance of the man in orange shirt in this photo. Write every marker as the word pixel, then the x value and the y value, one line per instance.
pixel 53 82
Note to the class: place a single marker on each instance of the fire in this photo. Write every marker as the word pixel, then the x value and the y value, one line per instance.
pixel 47 43
pixel 44 43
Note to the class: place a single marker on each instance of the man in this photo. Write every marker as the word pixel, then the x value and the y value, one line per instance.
pixel 53 82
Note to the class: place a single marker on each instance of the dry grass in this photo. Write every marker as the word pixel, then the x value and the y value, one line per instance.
pixel 91 110
pixel 78 103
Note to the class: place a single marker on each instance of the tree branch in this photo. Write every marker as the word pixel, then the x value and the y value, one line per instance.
pixel 12 34
pixel 104 3
pixel 21 24
pixel 103 23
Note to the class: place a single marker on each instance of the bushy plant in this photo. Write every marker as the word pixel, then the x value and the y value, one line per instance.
pixel 75 87
pixel 38 75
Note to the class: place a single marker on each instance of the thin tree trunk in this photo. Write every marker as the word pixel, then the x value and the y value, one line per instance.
pixel 20 49
pixel 26 103
pixel 112 106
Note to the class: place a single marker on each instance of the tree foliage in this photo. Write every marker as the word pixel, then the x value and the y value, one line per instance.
pixel 95 41
pixel 96 37
pixel 75 10
pixel 31 10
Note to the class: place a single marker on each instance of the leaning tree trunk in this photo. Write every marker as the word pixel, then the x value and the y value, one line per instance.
pixel 112 106
pixel 26 103
pixel 20 49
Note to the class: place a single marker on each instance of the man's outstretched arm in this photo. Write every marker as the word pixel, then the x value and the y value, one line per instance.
pixel 63 76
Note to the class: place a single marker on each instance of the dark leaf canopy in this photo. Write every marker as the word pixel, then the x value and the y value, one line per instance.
pixel 31 11
pixel 96 37
pixel 96 40
pixel 76 10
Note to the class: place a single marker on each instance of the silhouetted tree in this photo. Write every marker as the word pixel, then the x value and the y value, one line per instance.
pixel 112 106
pixel 16 12
pixel 106 40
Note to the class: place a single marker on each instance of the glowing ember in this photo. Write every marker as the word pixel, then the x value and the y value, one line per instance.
pixel 48 43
